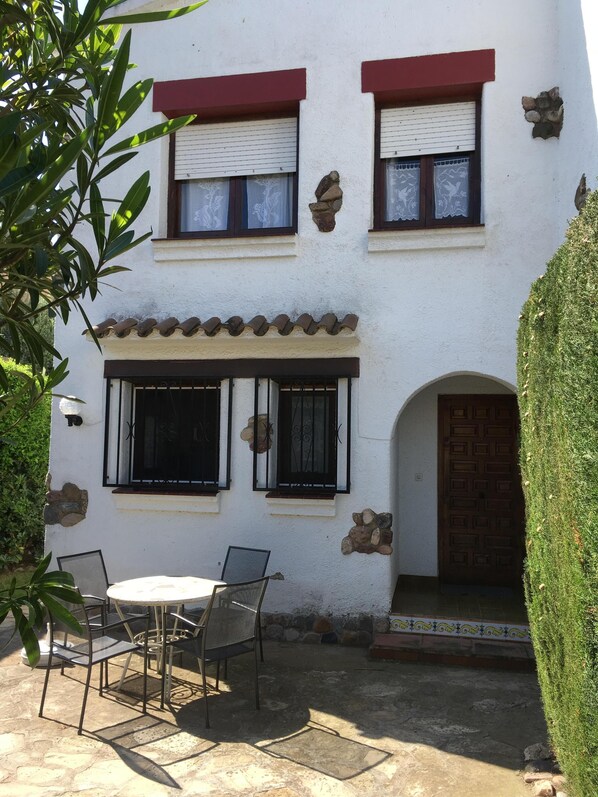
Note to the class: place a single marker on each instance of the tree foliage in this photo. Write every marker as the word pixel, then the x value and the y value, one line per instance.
pixel 63 103
pixel 558 378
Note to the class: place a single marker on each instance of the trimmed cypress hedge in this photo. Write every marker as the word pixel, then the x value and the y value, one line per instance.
pixel 558 398
pixel 24 449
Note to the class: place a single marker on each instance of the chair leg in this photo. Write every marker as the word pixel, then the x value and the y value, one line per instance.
pixel 257 689
pixel 87 682
pixel 46 679
pixel 202 668
pixel 218 673
pixel 145 674
pixel 259 630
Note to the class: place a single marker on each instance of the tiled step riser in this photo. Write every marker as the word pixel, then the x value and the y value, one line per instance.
pixel 471 629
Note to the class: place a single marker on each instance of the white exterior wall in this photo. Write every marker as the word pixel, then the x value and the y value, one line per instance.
pixel 578 75
pixel 424 312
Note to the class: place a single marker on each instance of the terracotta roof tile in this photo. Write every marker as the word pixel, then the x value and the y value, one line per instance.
pixel 259 325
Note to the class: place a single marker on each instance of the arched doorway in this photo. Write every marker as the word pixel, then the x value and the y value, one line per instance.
pixel 458 497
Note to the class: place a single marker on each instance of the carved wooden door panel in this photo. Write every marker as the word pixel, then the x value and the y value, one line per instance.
pixel 481 521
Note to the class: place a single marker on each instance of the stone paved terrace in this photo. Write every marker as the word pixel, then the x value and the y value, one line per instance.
pixel 332 723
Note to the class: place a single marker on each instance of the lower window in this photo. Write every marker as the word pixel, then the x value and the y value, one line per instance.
pixel 167 435
pixel 301 435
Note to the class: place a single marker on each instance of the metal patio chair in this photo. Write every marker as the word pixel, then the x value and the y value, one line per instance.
pixel 96 647
pixel 228 628
pixel 91 578
pixel 241 564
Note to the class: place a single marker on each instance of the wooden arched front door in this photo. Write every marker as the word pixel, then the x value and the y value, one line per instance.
pixel 481 521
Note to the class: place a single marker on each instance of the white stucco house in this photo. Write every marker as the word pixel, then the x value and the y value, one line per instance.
pixel 324 321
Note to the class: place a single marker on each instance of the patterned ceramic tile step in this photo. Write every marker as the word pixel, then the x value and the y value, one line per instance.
pixel 479 629
pixel 461 651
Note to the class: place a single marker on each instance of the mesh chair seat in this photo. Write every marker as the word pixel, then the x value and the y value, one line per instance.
pixel 103 648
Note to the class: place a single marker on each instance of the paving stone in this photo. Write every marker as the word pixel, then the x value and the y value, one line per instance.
pixel 333 724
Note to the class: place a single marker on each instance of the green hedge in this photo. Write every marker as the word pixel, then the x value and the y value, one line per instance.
pixel 24 451
pixel 558 396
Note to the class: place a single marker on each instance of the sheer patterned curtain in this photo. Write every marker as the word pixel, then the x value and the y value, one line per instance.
pixel 269 201
pixel 402 190
pixel 204 205
pixel 451 187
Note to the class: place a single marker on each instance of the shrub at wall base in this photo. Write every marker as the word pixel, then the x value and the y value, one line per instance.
pixel 24 448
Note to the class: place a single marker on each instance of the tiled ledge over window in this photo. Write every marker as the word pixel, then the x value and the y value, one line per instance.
pixel 411 240
pixel 187 250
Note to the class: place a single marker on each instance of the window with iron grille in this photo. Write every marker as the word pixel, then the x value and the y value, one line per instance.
pixel 301 435
pixel 428 165
pixel 167 435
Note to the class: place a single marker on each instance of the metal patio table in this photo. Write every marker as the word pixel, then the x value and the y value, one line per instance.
pixel 161 592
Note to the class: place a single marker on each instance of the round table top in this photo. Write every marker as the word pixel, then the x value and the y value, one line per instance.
pixel 162 590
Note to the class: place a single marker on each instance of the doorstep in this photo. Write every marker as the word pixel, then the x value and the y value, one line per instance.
pixel 452 650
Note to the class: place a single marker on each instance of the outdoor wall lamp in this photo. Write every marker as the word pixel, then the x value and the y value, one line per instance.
pixel 70 407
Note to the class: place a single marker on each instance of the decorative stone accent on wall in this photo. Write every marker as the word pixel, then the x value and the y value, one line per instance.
pixel 314 629
pixel 67 506
pixel 545 112
pixel 371 533
pixel 264 434
pixel 581 194
pixel 330 198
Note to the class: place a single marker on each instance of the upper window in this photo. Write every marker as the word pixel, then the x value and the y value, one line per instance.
pixel 302 434
pixel 235 178
pixel 428 165
pixel 166 434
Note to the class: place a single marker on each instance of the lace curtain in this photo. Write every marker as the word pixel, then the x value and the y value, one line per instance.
pixel 204 205
pixel 402 190
pixel 268 198
pixel 269 201
pixel 451 187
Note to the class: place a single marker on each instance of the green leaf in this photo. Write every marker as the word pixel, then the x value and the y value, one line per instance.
pixel 110 93
pixel 60 612
pixel 114 165
pixel 131 206
pixel 152 133
pixel 27 635
pixel 156 16
pixel 130 102
pixel 119 245
pixel 98 216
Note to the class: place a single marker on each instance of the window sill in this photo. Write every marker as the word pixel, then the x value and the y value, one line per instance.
pixel 430 238
pixel 188 250
pixel 298 506
pixel 135 500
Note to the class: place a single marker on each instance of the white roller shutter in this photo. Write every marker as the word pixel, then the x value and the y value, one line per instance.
pixel 427 129
pixel 225 149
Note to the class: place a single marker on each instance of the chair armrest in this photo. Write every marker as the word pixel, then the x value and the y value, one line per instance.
pixel 97 598
pixel 186 621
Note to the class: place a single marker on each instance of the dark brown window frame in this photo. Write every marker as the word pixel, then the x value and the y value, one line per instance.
pixel 426 195
pixel 278 485
pixel 127 478
pixel 235 205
